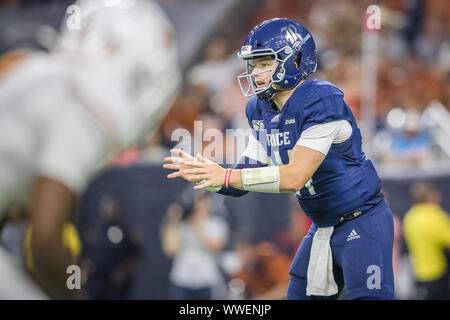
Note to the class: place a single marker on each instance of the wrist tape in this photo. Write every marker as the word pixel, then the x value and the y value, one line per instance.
pixel 266 179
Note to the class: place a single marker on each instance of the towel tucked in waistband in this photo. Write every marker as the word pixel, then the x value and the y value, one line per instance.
pixel 320 269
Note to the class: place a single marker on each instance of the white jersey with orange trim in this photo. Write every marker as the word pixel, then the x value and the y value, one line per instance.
pixel 64 115
pixel 60 120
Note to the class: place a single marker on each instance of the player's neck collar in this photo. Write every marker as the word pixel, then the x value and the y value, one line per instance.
pixel 283 97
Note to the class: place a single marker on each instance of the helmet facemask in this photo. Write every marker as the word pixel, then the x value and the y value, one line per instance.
pixel 249 87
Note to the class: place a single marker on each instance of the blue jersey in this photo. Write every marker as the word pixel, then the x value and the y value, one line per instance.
pixel 346 180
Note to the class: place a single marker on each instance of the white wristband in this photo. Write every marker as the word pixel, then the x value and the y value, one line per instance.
pixel 266 179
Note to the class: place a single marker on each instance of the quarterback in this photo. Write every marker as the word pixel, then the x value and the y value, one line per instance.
pixel 64 115
pixel 305 140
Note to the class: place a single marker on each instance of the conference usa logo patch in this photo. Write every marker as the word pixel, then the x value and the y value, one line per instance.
pixel 289 121
pixel 258 125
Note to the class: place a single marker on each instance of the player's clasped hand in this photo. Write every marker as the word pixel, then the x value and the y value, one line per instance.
pixel 198 169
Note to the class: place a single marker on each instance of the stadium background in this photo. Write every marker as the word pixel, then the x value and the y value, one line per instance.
pixel 395 79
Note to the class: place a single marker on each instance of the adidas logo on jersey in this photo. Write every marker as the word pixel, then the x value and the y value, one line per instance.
pixel 353 235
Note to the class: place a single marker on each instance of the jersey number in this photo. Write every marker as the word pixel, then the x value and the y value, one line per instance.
pixel 278 161
pixel 310 188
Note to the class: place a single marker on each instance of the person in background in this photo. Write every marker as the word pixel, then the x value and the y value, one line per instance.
pixel 193 237
pixel 410 144
pixel 426 228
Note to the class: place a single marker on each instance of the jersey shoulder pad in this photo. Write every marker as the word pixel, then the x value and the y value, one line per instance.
pixel 323 103
pixel 317 89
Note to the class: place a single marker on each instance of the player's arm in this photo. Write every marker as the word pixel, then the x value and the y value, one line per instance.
pixel 287 178
pixel 50 207
pixel 72 151
pixel 254 156
pixel 306 157
pixel 181 164
pixel 274 179
pixel 235 192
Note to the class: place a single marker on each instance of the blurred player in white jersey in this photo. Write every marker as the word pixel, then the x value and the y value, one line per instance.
pixel 64 115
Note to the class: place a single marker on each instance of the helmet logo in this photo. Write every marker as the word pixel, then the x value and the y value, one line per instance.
pixel 291 34
pixel 294 37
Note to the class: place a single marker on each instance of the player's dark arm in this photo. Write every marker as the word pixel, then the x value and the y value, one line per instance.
pixel 50 209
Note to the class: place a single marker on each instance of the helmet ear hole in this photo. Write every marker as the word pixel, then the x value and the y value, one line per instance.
pixel 298 59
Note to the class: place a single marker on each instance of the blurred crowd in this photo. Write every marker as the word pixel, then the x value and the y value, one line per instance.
pixel 412 124
pixel 412 84
pixel 411 117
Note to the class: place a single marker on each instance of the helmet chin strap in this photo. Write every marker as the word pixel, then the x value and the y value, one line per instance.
pixel 269 93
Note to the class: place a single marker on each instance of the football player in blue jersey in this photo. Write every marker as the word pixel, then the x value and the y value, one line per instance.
pixel 305 139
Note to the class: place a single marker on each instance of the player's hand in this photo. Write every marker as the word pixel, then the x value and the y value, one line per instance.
pixel 177 162
pixel 206 171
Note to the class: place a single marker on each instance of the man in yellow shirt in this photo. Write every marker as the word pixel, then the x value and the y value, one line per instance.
pixel 427 234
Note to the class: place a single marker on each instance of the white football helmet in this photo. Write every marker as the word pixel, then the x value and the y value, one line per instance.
pixel 133 41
